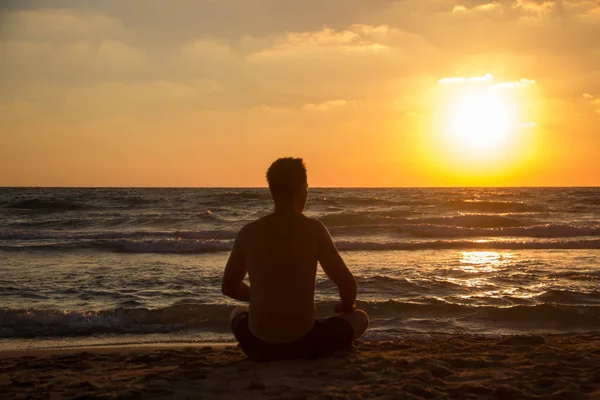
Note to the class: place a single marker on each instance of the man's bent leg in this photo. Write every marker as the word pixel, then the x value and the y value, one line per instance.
pixel 338 332
pixel 359 321
pixel 235 313
pixel 238 321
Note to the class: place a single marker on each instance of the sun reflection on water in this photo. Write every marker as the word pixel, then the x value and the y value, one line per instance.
pixel 483 267
pixel 483 261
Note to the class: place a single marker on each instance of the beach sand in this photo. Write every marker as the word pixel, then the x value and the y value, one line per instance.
pixel 456 367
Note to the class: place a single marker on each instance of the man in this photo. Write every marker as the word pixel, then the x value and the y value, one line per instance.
pixel 280 254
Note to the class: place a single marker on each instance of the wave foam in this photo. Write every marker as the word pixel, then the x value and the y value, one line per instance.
pixel 24 323
pixel 36 234
pixel 46 205
pixel 184 246
pixel 37 322
pixel 493 206
pixel 467 244
pixel 536 231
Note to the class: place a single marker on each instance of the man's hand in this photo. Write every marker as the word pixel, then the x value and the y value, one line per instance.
pixel 339 308
pixel 336 270
pixel 235 271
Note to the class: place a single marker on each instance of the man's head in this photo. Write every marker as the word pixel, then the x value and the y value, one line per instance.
pixel 288 183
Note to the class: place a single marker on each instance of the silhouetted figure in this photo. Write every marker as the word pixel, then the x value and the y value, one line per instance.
pixel 280 254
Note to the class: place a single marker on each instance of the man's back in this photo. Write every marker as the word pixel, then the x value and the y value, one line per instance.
pixel 281 252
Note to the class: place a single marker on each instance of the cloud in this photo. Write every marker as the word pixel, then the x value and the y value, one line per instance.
pixel 459 9
pixel 38 60
pixel 357 38
pixel 206 48
pixel 59 24
pixel 109 99
pixel 528 8
pixel 65 45
pixel 523 82
pixel 299 68
pixel 326 105
pixel 487 7
pixel 361 42
pixel 336 50
pixel 487 79
pixel 539 6
pixel 593 101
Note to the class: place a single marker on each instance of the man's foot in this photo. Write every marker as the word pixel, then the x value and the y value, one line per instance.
pixel 237 311
pixel 359 321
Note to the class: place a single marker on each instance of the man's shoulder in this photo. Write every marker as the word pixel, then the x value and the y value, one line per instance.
pixel 316 225
pixel 312 221
pixel 249 227
pixel 253 226
pixel 271 217
pixel 313 224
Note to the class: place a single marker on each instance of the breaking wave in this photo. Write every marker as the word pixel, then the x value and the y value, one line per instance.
pixel 47 205
pixel 397 217
pixel 31 234
pixel 187 246
pixel 28 323
pixel 493 206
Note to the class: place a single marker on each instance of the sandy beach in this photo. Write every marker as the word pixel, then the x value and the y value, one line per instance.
pixel 457 367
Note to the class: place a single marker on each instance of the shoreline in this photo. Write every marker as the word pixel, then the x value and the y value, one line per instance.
pixel 108 348
pixel 565 366
pixel 11 347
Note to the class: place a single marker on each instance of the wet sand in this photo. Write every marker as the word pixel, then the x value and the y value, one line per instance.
pixel 455 367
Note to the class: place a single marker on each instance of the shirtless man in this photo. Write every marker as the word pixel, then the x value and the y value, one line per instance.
pixel 280 254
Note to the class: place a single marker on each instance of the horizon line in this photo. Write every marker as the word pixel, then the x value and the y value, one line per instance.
pixel 310 187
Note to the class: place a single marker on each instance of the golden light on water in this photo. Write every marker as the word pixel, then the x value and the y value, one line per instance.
pixel 482 261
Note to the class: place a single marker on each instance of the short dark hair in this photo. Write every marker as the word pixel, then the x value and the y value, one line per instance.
pixel 285 176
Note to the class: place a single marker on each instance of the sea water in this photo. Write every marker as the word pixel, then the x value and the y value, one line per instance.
pixel 108 266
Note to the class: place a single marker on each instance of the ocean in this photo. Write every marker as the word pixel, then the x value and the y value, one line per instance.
pixel 98 266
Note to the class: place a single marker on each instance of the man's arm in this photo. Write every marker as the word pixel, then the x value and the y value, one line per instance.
pixel 336 269
pixel 233 278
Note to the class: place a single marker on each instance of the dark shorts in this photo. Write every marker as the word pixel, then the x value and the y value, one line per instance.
pixel 326 337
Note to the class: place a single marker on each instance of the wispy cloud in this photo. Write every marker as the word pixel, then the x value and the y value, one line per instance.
pixel 357 38
pixel 487 7
pixel 327 105
pixel 523 82
pixel 60 24
pixel 473 79
pixel 593 101
pixel 487 79
pixel 536 6
pixel 528 6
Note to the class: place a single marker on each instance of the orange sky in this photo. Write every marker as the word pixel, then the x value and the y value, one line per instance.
pixel 209 93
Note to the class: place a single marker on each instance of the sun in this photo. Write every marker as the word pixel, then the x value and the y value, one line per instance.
pixel 478 120
pixel 481 130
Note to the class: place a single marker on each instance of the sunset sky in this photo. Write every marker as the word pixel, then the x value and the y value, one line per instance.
pixel 369 93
